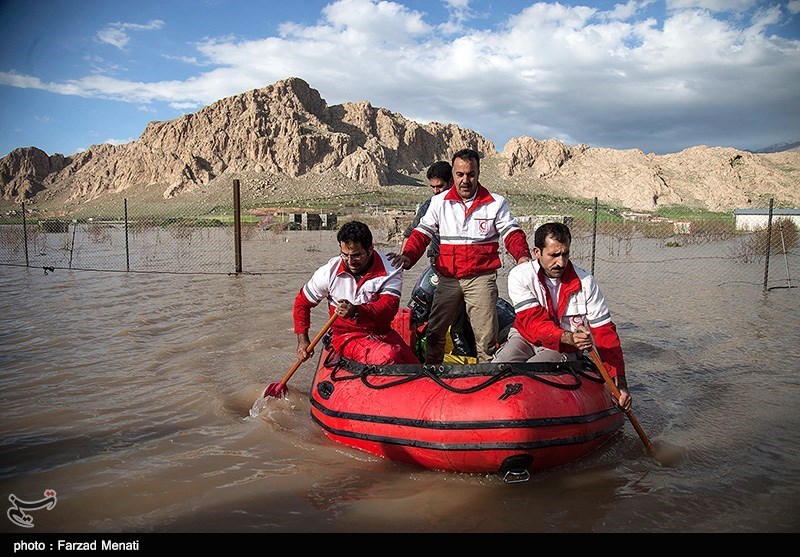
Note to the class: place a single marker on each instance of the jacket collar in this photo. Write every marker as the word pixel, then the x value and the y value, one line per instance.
pixel 570 283
pixel 376 268
pixel 482 197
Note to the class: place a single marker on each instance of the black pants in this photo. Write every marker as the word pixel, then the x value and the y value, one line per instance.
pixel 462 335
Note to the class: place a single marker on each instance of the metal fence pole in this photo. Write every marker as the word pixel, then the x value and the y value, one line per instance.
pixel 769 241
pixel 594 233
pixel 25 235
pixel 72 246
pixel 127 249
pixel 237 226
pixel 785 259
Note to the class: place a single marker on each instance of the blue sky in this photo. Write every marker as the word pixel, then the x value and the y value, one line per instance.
pixel 660 76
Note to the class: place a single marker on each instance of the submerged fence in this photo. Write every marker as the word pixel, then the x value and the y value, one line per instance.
pixel 708 249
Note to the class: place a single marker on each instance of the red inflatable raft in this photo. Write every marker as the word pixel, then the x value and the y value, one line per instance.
pixel 509 419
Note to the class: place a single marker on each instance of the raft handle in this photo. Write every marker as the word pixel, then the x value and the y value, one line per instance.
pixel 516 476
pixel 515 469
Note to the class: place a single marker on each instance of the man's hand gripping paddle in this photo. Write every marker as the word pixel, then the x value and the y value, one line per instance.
pixel 279 390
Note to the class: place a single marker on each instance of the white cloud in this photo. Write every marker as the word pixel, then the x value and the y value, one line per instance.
pixel 191 60
pixel 712 5
pixel 460 13
pixel 116 34
pixel 151 25
pixel 361 25
pixel 185 106
pixel 112 141
pixel 15 79
pixel 114 37
pixel 614 78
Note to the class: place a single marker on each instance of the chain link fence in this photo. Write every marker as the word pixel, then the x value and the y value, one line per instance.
pixel 708 251
pixel 123 238
pixel 707 248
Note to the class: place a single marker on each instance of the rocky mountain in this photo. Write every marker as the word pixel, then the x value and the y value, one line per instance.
pixel 286 130
pixel 712 178
pixel 778 147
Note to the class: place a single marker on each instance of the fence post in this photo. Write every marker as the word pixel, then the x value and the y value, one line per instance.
pixel 785 259
pixel 594 233
pixel 72 246
pixel 769 241
pixel 127 249
pixel 25 234
pixel 237 226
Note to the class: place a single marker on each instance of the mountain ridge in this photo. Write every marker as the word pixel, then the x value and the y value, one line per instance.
pixel 285 134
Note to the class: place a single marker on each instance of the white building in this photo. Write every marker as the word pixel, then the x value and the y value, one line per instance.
pixel 755 219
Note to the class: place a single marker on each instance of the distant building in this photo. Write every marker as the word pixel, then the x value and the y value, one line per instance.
pixel 682 227
pixel 328 221
pixel 313 221
pixel 310 221
pixel 642 217
pixel 756 219
pixel 678 226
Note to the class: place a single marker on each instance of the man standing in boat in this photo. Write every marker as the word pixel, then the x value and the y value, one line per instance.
pixel 470 222
pixel 555 302
pixel 440 179
pixel 363 289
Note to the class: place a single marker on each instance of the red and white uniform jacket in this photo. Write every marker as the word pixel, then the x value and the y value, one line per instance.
pixel 579 296
pixel 469 233
pixel 377 297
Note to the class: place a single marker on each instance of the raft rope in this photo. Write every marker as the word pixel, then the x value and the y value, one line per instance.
pixel 357 370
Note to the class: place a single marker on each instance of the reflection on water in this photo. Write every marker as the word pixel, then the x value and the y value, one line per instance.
pixel 131 395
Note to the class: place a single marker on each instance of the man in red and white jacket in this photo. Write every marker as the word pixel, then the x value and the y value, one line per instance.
pixel 363 289
pixel 470 222
pixel 555 303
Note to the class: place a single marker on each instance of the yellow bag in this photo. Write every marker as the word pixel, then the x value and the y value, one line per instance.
pixel 462 360
pixel 450 358
pixel 448 343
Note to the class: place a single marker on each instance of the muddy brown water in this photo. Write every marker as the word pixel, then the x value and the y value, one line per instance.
pixel 129 394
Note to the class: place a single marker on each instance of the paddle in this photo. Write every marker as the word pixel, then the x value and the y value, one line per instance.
pixel 615 391
pixel 278 390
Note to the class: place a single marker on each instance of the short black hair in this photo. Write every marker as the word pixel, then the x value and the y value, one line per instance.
pixel 556 230
pixel 467 154
pixel 442 170
pixel 355 232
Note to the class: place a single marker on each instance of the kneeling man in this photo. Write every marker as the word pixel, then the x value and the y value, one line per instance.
pixel 363 289
pixel 559 310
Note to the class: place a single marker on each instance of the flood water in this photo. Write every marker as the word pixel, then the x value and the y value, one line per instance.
pixel 129 394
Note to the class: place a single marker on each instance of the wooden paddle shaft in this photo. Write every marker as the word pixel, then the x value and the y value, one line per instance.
pixel 615 391
pixel 309 348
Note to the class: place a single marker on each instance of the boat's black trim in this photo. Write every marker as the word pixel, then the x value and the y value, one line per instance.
pixel 493 424
pixel 511 446
pixel 448 371
pixel 343 369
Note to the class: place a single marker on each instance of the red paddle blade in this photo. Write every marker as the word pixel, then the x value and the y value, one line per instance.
pixel 276 390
